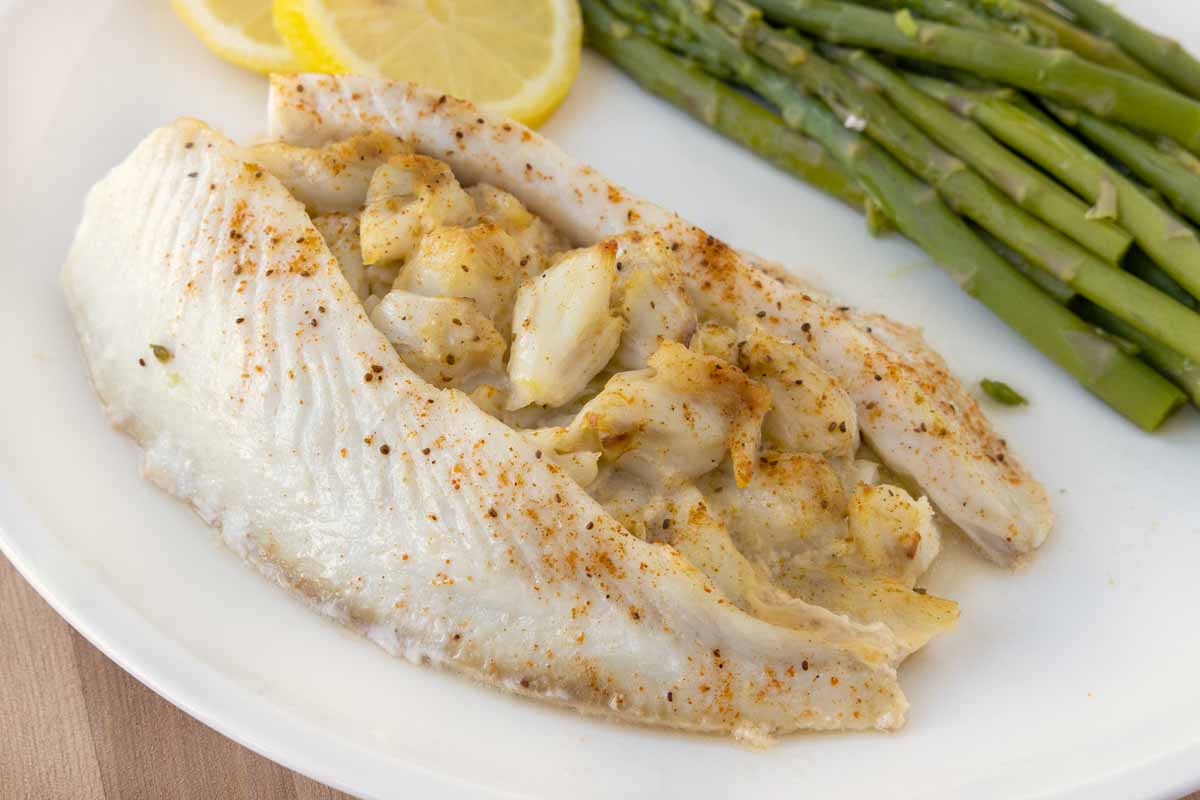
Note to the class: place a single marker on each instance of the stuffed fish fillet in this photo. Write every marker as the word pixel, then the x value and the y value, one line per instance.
pixel 627 542
pixel 399 508
pixel 912 411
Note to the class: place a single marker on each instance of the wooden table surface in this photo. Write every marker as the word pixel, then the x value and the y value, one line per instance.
pixel 75 726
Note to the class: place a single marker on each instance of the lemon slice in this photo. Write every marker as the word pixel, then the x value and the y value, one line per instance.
pixel 241 31
pixel 516 58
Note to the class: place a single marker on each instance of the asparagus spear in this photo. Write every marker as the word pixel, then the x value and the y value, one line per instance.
pixel 1141 305
pixel 1027 23
pixel 1027 186
pixel 1053 29
pixel 1043 280
pixel 1138 263
pixel 1161 171
pixel 737 117
pixel 1162 55
pixel 952 12
pixel 1126 384
pixel 1055 73
pixel 1183 372
pixel 1185 159
pixel 1167 240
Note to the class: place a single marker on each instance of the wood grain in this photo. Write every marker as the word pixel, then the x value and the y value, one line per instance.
pixel 46 749
pixel 75 726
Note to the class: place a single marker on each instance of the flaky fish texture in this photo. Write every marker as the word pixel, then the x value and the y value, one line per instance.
pixel 221 334
pixel 911 410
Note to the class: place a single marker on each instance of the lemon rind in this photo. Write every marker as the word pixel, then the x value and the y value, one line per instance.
pixel 232 44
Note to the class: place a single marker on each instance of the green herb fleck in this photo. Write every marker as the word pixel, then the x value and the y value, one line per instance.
pixel 1002 393
pixel 161 353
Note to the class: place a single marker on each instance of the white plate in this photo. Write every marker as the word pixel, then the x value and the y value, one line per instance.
pixel 1075 677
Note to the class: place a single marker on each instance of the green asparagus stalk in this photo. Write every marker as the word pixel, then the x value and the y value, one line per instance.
pixel 736 117
pixel 915 208
pixel 953 12
pixel 1053 29
pixel 1027 186
pixel 1181 188
pixel 1026 22
pixel 1185 159
pixel 1044 280
pixel 1126 384
pixel 1162 55
pixel 1183 372
pixel 638 13
pixel 1055 73
pixel 1166 239
pixel 1139 264
pixel 1141 305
